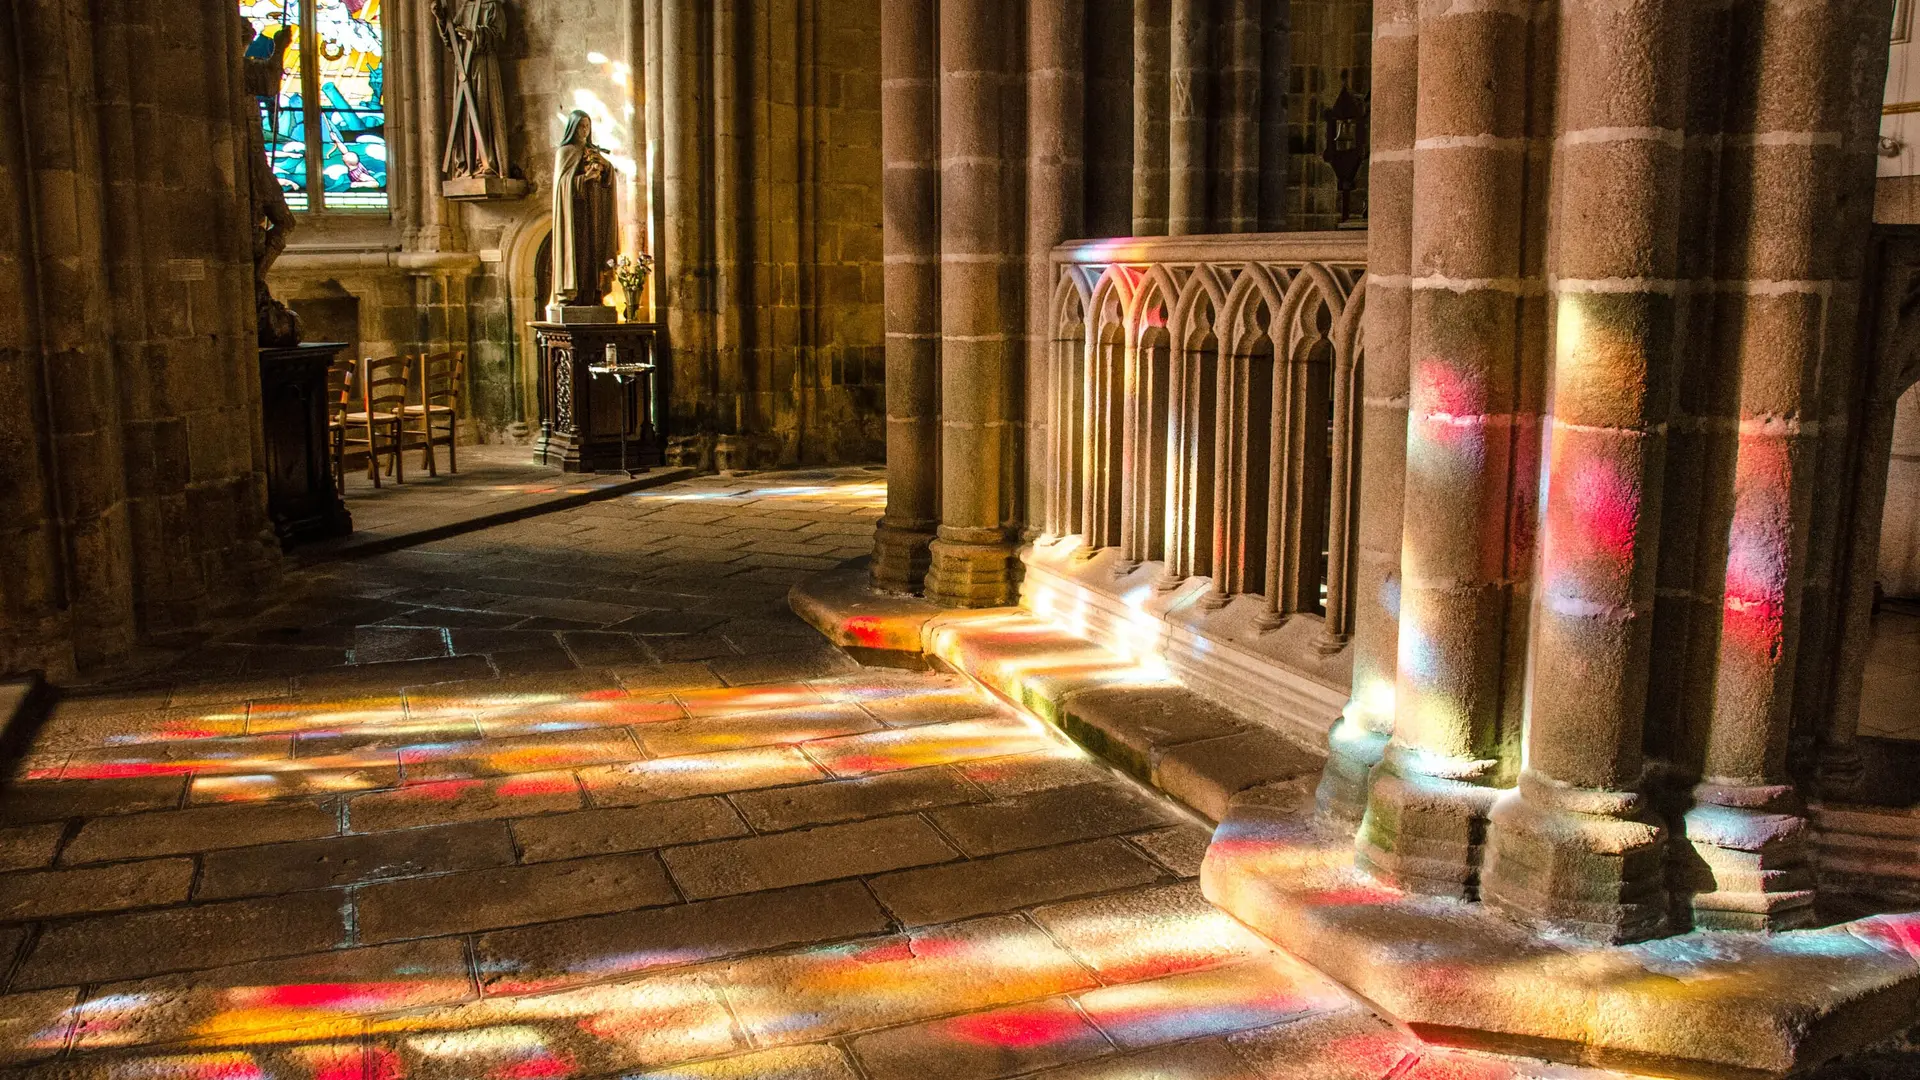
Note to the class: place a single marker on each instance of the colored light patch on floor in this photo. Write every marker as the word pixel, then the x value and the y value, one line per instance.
pixel 748 699
pixel 1149 933
pixel 1214 1002
pixel 744 730
pixel 594 1030
pixel 640 782
pixel 934 744
pixel 819 993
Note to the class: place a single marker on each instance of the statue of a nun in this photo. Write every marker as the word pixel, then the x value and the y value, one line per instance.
pixel 583 229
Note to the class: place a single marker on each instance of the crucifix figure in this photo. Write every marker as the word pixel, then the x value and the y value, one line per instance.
pixel 477 137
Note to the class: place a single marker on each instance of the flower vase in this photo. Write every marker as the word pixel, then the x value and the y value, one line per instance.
pixel 630 301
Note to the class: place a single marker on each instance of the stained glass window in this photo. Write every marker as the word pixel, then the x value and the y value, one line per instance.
pixel 285 116
pixel 353 112
pixel 330 117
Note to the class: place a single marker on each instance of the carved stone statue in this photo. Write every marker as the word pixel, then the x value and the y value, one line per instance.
pixel 477 136
pixel 583 230
pixel 267 204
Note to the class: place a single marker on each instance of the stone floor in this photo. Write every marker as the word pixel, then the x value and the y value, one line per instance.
pixel 494 479
pixel 578 797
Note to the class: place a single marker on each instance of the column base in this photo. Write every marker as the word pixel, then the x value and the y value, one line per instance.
pixel 1352 752
pixel 1748 865
pixel 1424 833
pixel 968 573
pixel 1587 864
pixel 901 555
pixel 1841 769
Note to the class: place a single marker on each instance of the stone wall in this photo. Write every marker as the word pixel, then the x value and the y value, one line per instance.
pixel 803 377
pixel 134 494
pixel 1332 47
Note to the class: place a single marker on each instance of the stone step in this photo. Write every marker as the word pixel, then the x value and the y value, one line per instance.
pixel 1704 1004
pixel 1131 713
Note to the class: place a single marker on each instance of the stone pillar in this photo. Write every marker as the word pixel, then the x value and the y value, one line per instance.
pixel 33 619
pixel 1056 194
pixel 429 140
pixel 1276 67
pixel 1189 111
pixel 1150 115
pixel 85 448
pixel 685 263
pixel 981 281
pixel 635 189
pixel 1236 189
pixel 1790 175
pixel 1360 735
pixel 910 153
pixel 733 404
pixel 1577 847
pixel 1839 593
pixel 1462 568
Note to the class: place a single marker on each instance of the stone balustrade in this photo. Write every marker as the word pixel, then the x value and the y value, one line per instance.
pixel 1203 397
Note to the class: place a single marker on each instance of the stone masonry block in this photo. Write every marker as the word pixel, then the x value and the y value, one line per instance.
pixel 1207 774
pixel 1128 725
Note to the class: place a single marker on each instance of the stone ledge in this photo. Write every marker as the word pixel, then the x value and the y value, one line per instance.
pixel 1705 1004
pixel 844 605
pixel 1131 713
pixel 1719 1006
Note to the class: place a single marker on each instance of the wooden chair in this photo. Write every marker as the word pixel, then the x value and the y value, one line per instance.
pixel 340 384
pixel 440 376
pixel 382 417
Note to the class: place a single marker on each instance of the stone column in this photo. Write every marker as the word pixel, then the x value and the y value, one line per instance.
pixel 429 132
pixel 1577 847
pixel 1451 745
pixel 33 620
pixel 1189 112
pixel 685 263
pixel 1056 193
pixel 1276 64
pixel 910 152
pixel 730 217
pixel 1236 185
pixel 981 281
pixel 1840 765
pixel 1150 113
pixel 635 189
pixel 1790 173
pixel 1839 593
pixel 86 449
pixel 1360 735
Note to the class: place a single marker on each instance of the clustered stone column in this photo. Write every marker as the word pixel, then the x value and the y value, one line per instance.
pixel 1698 231
pixel 1209 116
pixel 982 278
pixel 909 136
pixel 136 496
pixel 763 126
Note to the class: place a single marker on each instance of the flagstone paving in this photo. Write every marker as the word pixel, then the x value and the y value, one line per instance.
pixel 578 797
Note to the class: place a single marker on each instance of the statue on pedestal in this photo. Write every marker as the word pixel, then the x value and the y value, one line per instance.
pixel 477 134
pixel 583 231
pixel 271 220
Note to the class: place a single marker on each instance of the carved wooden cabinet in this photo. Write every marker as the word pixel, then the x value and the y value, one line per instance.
pixel 581 414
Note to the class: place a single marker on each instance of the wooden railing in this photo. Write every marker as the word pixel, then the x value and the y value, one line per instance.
pixel 1204 412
